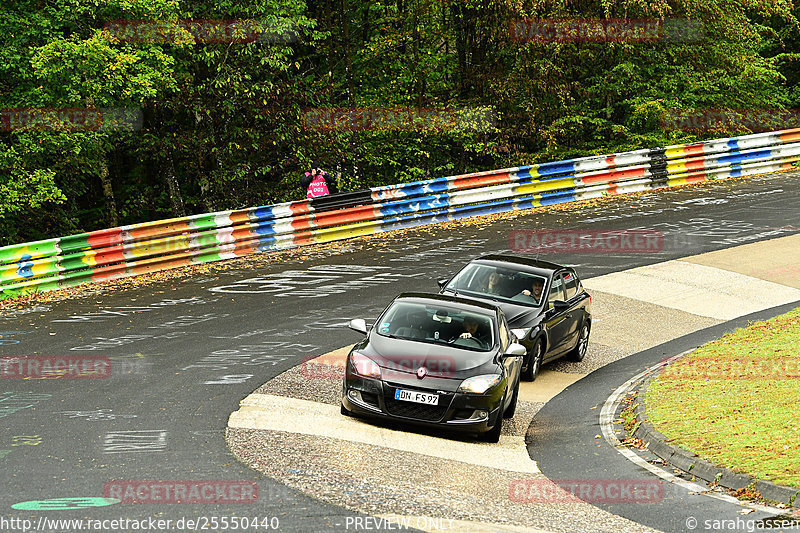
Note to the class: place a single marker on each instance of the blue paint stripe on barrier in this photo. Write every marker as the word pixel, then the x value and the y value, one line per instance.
pixel 264 229
pixel 558 199
pixel 559 167
pixel 739 157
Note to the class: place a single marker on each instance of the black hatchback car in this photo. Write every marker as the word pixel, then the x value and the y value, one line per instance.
pixel 437 361
pixel 545 304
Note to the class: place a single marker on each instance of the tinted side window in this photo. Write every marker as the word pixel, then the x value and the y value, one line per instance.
pixel 556 291
pixel 570 284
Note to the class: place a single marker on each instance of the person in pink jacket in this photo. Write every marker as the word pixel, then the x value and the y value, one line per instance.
pixel 317 182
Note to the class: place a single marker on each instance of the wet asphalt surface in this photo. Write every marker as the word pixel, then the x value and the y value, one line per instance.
pixel 563 442
pixel 184 352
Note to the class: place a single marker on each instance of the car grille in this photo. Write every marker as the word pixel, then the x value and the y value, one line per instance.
pixel 417 411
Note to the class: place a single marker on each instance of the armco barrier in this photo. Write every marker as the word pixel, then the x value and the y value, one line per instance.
pixel 164 244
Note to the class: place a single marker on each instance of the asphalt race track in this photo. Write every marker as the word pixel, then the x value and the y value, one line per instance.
pixel 185 353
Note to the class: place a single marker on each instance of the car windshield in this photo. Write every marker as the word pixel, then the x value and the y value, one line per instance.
pixel 438 324
pixel 499 284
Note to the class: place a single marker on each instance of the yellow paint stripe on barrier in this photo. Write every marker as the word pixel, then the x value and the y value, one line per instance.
pixel 359 229
pixel 158 246
pixel 545 186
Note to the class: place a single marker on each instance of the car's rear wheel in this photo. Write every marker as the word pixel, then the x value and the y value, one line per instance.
pixel 531 369
pixel 579 352
pixel 512 408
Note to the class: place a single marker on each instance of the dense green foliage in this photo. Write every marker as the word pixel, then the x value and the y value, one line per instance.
pixel 222 123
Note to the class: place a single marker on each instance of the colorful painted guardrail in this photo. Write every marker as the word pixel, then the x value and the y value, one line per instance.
pixel 154 246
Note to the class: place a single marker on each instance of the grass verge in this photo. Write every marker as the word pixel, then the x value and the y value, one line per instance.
pixel 736 401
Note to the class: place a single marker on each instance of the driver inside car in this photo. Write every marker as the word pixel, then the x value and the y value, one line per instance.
pixel 472 330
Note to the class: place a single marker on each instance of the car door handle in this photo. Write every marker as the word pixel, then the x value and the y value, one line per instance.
pixel 569 315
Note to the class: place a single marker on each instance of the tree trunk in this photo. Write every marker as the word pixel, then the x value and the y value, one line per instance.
pixel 348 58
pixel 112 217
pixel 175 198
pixel 206 193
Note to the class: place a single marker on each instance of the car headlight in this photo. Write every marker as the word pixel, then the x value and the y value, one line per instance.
pixel 521 333
pixel 480 384
pixel 364 366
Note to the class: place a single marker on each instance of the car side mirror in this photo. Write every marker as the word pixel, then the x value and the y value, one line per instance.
pixel 560 305
pixel 515 350
pixel 359 325
pixel 442 283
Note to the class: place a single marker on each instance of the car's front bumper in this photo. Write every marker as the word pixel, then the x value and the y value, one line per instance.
pixel 456 411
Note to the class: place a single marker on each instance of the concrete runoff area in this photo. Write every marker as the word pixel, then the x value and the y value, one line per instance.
pixel 633 310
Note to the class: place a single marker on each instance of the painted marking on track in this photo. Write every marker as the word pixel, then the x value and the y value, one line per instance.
pixel 11 402
pixel 135 441
pixel 63 504
pixel 696 289
pixel 93 416
pixel 318 281
pixel 323 420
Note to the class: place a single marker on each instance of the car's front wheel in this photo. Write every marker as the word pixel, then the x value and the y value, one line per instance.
pixel 534 362
pixel 493 435
pixel 579 352
pixel 512 408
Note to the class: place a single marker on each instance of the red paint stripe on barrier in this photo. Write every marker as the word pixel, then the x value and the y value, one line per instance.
pixel 302 239
pixel 614 175
pixel 480 181
pixel 345 216
pixel 693 149
pixel 695 164
pixel 157 263
pixel 244 250
pixel 303 222
pixel 300 208
pixel 240 217
pixel 158 230
pixel 104 238
pixel 610 160
pixel 696 177
pixel 240 234
pixel 113 255
pixel 108 272
pixel 790 136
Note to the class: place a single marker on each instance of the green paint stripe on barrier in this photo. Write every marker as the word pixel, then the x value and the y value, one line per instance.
pixel 204 222
pixel 27 251
pixel 75 243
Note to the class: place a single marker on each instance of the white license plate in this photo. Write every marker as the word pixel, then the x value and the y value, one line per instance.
pixel 417 397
